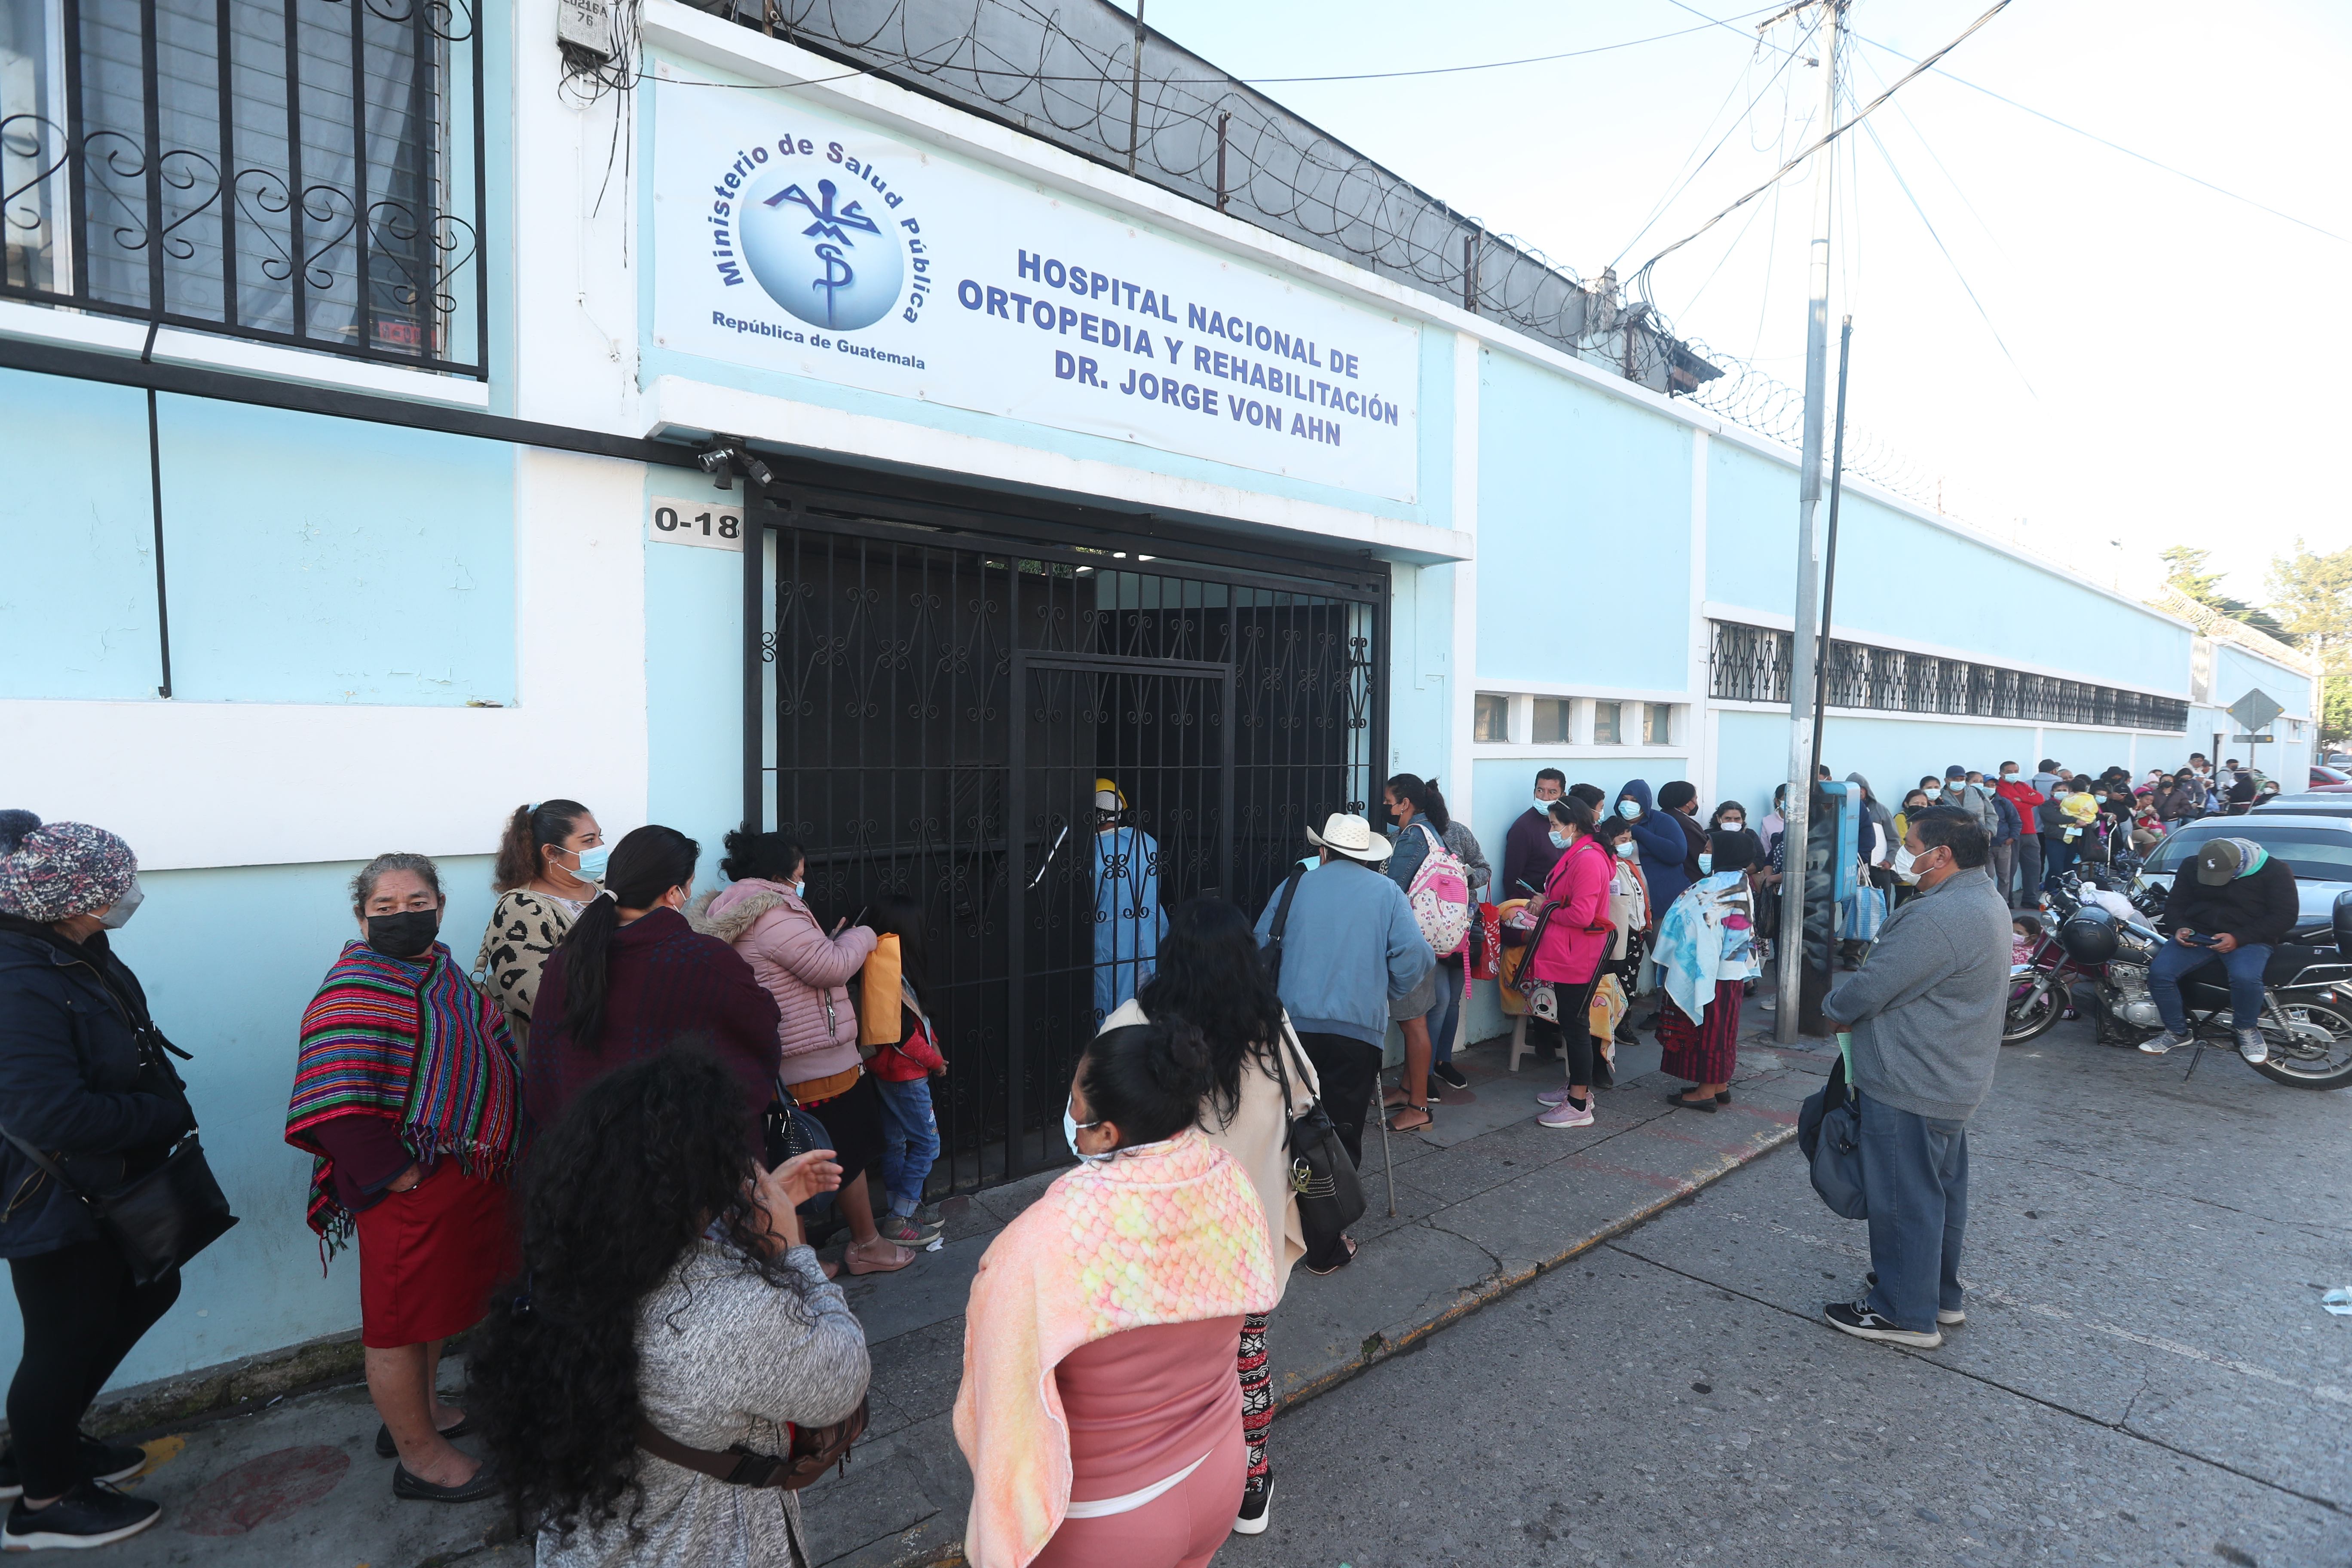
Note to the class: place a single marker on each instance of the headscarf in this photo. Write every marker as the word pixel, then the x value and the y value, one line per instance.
pixel 51 872
pixel 415 1044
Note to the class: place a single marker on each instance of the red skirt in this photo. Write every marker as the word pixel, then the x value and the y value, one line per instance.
pixel 430 1257
pixel 1706 1051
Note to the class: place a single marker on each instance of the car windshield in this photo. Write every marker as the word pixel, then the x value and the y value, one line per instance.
pixel 2318 854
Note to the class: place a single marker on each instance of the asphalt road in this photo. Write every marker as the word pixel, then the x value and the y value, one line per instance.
pixel 2145 1377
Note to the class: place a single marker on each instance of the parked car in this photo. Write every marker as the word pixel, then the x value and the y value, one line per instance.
pixel 2327 778
pixel 2314 803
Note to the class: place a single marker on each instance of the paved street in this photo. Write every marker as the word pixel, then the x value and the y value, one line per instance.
pixel 2145 1377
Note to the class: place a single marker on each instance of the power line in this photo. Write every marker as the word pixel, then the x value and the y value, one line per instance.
pixel 2117 146
pixel 1952 260
pixel 1499 65
pixel 1829 136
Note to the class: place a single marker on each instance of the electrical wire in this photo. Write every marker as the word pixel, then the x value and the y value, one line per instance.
pixel 2116 146
pixel 1643 272
pixel 1929 223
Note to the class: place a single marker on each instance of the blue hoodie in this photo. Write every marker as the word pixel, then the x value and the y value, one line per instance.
pixel 1664 850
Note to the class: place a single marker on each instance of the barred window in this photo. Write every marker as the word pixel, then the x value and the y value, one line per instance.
pixel 1751 664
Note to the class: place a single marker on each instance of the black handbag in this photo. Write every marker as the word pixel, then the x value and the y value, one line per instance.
pixel 787 1131
pixel 157 1221
pixel 1329 1196
pixel 1829 1135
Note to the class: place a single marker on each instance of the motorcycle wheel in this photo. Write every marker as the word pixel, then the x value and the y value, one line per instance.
pixel 2305 1064
pixel 2030 1016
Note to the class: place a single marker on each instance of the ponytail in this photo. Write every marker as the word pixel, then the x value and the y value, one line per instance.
pixel 1423 793
pixel 646 863
pixel 527 833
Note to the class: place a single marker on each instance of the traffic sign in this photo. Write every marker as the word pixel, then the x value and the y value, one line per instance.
pixel 2255 710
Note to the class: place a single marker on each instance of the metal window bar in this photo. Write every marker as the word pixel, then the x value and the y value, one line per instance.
pixel 1750 664
pixel 275 170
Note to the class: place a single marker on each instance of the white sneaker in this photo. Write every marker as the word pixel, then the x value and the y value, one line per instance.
pixel 2163 1043
pixel 1950 1317
pixel 2253 1047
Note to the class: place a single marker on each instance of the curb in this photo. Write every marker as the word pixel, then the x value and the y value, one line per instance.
pixel 1379 1348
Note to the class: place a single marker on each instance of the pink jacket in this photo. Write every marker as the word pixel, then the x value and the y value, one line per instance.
pixel 1578 885
pixel 804 970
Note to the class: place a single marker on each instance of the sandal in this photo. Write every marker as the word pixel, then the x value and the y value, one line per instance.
pixel 1429 1119
pixel 851 1259
pixel 1345 1258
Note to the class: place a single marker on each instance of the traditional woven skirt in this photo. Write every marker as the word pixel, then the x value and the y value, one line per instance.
pixel 1705 1051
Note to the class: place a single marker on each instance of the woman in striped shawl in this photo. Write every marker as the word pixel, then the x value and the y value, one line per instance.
pixel 406 1094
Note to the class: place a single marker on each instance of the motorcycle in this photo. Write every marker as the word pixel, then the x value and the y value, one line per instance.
pixel 2306 990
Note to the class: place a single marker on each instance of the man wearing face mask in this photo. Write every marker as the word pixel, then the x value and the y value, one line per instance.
pixel 408 1098
pixel 1924 1017
pixel 2026 868
pixel 84 1080
pixel 1528 852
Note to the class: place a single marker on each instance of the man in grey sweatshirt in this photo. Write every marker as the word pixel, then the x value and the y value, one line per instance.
pixel 1925 1013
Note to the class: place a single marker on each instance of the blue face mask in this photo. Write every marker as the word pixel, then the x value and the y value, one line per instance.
pixel 592 863
pixel 1558 839
pixel 1631 810
pixel 1071 1127
pixel 1706 865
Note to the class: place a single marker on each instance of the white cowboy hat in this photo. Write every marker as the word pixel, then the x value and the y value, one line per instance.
pixel 1351 837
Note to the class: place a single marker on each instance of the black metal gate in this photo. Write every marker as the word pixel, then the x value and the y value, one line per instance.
pixel 942 686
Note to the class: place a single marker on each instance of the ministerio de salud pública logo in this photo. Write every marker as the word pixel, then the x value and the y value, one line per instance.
pixel 821 232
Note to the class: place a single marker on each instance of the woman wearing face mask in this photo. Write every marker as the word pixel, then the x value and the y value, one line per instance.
pixel 1629 940
pixel 1098 1409
pixel 405 1095
pixel 1428 1016
pixel 83 1078
pixel 1568 946
pixel 551 862
pixel 632 978
pixel 1706 955
pixel 763 915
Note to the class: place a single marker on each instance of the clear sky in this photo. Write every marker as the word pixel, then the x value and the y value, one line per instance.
pixel 2179 358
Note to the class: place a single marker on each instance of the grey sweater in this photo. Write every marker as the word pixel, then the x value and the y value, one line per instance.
pixel 1925 1007
pixel 724 1358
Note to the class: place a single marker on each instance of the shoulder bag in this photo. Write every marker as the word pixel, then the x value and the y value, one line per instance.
pixel 787 1131
pixel 1829 1134
pixel 812 1451
pixel 158 1221
pixel 1322 1177
pixel 1271 953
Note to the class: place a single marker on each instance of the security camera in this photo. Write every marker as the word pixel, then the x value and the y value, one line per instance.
pixel 716 463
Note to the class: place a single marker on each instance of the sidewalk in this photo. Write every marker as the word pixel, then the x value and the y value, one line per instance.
pixel 1486 1201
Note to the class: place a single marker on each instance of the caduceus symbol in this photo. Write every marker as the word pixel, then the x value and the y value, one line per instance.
pixel 839 275
pixel 829 226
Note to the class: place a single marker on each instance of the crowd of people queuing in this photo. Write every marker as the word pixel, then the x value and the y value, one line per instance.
pixel 598 1149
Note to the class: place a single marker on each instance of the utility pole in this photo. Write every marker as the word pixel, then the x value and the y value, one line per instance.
pixel 1797 813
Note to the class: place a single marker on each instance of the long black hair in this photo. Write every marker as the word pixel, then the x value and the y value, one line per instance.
pixel 1426 801
pixel 901 915
pixel 646 863
pixel 649 1157
pixel 1209 976
pixel 1149 1079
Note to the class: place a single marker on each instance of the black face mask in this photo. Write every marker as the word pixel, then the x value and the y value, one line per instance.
pixel 404 935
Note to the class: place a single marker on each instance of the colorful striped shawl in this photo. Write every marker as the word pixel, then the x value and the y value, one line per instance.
pixel 418 1046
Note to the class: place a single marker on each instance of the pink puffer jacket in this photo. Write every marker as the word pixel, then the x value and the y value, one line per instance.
pixel 804 970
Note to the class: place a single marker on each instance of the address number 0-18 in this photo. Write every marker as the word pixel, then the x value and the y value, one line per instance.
pixel 676 522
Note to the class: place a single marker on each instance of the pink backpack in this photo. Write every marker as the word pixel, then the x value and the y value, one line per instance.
pixel 1440 897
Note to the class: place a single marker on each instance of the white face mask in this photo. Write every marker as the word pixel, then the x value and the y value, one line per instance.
pixel 1904 861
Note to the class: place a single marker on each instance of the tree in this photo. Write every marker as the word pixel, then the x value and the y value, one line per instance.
pixel 2311 594
pixel 2185 570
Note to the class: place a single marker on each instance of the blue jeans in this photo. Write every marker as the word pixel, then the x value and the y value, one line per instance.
pixel 911 1143
pixel 1443 1018
pixel 1915 1174
pixel 2057 855
pixel 2244 965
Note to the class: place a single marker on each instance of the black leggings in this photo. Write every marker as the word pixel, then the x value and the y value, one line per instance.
pixel 1575 1043
pixel 82 1315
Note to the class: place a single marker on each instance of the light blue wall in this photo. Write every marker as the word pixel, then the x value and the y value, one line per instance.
pixel 318 560
pixel 77 592
pixel 1896 576
pixel 694 659
pixel 236 1003
pixel 1421 672
pixel 2237 672
pixel 1567 477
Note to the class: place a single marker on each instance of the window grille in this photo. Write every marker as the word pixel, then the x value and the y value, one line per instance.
pixel 1750 664
pixel 307 172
